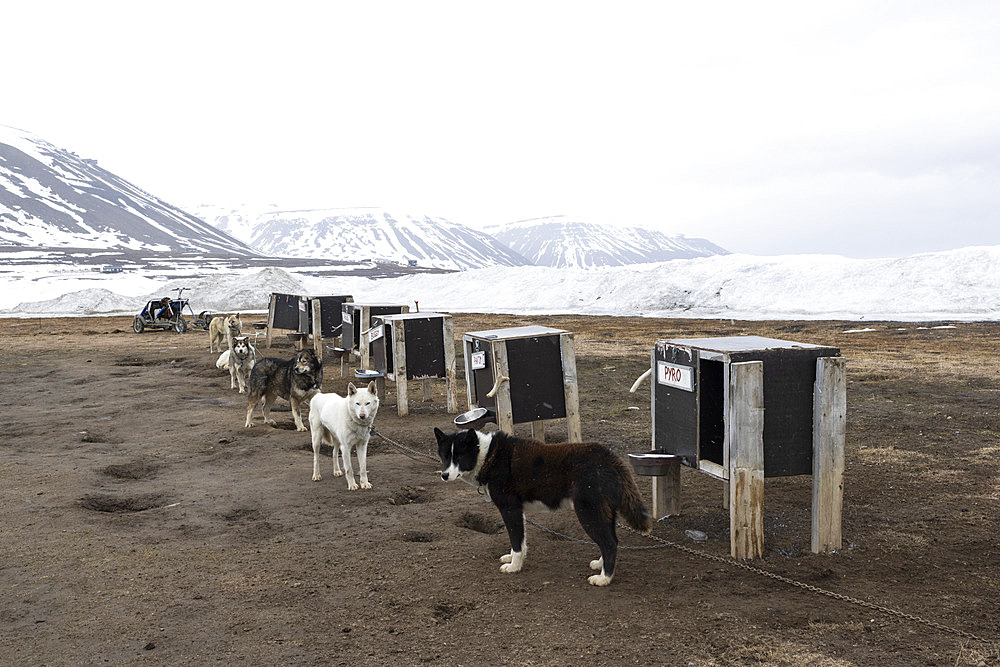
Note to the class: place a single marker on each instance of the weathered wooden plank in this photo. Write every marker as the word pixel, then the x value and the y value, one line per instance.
pixel 829 435
pixel 571 390
pixel 364 347
pixel 538 430
pixel 746 460
pixel 449 366
pixel 399 366
pixel 317 328
pixel 270 320
pixel 667 492
pixel 501 369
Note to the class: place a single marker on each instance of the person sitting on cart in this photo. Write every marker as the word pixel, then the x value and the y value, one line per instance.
pixel 164 311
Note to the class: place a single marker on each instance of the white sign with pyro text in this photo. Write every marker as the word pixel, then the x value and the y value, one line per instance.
pixel 375 333
pixel 478 360
pixel 673 375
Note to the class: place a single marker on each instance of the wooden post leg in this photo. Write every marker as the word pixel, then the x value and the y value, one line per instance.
pixel 364 347
pixel 829 434
pixel 345 364
pixel 501 368
pixel 425 386
pixel 398 343
pixel 746 460
pixel 270 319
pixel 380 388
pixel 449 366
pixel 317 327
pixel 571 390
pixel 725 494
pixel 538 430
pixel 667 492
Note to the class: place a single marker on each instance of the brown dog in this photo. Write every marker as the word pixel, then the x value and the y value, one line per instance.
pixel 223 329
pixel 295 380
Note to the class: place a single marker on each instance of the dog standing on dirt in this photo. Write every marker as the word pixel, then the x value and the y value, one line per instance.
pixel 223 329
pixel 241 361
pixel 344 422
pixel 522 474
pixel 295 380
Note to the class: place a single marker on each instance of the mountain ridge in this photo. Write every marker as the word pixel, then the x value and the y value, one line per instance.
pixel 52 198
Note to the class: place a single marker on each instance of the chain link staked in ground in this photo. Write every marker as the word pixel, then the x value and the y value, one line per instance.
pixel 777 577
pixel 414 454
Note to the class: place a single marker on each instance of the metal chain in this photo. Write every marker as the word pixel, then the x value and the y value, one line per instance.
pixel 414 454
pixel 409 451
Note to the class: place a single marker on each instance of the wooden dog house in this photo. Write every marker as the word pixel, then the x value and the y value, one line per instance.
pixel 525 375
pixel 357 323
pixel 306 315
pixel 744 408
pixel 415 346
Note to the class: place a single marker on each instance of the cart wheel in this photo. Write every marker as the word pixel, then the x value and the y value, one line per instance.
pixel 138 325
pixel 180 325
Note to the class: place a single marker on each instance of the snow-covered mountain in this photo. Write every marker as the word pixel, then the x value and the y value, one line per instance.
pixel 52 198
pixel 354 234
pixel 562 241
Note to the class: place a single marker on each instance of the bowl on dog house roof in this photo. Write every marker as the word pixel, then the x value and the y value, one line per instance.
pixel 743 408
pixel 524 375
pixel 415 346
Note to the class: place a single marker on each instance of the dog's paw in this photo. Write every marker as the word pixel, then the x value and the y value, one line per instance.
pixel 243 391
pixel 338 473
pixel 506 558
pixel 598 580
pixel 352 486
pixel 366 485
pixel 271 422
pixel 317 477
pixel 301 428
pixel 508 568
pixel 248 425
pixel 597 564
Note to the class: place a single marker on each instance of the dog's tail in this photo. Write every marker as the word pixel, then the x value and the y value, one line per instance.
pixel 633 510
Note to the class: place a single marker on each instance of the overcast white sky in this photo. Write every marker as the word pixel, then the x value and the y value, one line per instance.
pixel 865 129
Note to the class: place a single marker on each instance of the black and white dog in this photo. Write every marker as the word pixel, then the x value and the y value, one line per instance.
pixel 521 474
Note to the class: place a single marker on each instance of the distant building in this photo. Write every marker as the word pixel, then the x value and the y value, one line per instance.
pixel 111 268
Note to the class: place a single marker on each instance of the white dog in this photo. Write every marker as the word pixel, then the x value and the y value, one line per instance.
pixel 344 422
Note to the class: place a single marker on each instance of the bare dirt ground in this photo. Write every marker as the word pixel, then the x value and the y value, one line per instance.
pixel 142 523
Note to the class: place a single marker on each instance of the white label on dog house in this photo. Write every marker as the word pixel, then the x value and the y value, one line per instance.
pixel 346 318
pixel 302 305
pixel 673 375
pixel 478 360
pixel 376 333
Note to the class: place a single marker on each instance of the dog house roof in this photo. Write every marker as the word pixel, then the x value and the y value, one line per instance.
pixel 516 332
pixel 413 316
pixel 728 344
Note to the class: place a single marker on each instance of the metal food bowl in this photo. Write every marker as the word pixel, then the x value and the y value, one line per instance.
pixel 362 374
pixel 653 463
pixel 475 418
